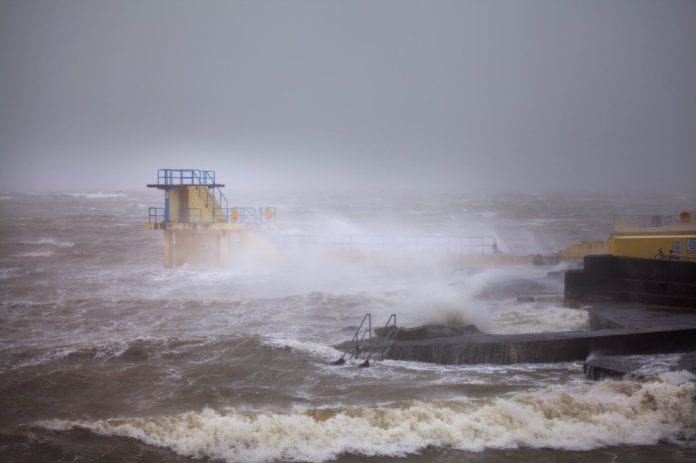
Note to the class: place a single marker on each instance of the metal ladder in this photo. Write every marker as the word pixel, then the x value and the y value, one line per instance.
pixel 363 331
pixel 382 347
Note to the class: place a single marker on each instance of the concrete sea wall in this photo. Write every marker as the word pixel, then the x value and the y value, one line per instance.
pixel 629 279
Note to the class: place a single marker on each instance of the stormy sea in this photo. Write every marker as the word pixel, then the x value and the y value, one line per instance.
pixel 107 356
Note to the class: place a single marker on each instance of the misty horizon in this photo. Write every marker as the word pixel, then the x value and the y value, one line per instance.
pixel 471 97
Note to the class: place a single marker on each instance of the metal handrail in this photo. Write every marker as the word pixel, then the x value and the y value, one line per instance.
pixel 222 199
pixel 154 215
pixel 382 347
pixel 218 197
pixel 359 338
pixel 361 333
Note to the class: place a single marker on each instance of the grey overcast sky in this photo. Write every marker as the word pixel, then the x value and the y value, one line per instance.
pixel 470 95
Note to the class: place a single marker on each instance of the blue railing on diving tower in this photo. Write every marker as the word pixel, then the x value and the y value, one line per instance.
pixel 185 177
pixel 223 213
pixel 194 177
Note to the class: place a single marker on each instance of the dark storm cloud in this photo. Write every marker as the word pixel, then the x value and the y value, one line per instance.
pixel 489 95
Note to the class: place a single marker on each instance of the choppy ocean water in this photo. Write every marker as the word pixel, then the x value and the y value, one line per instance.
pixel 107 356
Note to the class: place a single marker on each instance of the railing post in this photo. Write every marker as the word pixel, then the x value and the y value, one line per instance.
pixel 166 206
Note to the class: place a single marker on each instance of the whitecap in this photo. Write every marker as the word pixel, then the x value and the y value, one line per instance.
pixel 52 242
pixel 35 254
pixel 315 349
pixel 580 417
pixel 6 273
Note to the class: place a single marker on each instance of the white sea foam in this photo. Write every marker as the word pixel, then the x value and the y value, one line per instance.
pixel 52 242
pixel 577 417
pixel 537 318
pixel 35 254
pixel 47 357
pixel 6 273
pixel 316 349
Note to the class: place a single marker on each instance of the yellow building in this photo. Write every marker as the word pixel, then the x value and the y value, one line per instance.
pixel 654 236
pixel 647 236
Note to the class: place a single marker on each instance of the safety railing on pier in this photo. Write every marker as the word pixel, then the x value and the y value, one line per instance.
pixel 430 244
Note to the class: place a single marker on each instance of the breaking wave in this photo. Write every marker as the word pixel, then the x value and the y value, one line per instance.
pixel 315 349
pixel 35 254
pixel 52 242
pixel 581 417
pixel 538 318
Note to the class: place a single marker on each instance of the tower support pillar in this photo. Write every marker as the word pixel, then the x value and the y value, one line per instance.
pixel 168 248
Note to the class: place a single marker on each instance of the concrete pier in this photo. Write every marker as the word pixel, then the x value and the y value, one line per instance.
pixel 636 306
pixel 615 329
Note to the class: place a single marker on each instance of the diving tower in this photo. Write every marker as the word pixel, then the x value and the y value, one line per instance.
pixel 197 220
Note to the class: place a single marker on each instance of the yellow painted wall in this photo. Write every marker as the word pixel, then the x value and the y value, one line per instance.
pixel 649 245
pixel 193 204
pixel 198 247
pixel 175 200
pixel 582 249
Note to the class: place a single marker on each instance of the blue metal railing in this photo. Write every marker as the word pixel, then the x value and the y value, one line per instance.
pixel 250 215
pixel 218 197
pixel 215 199
pixel 239 215
pixel 185 177
pixel 195 177
pixel 156 215
pixel 460 244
